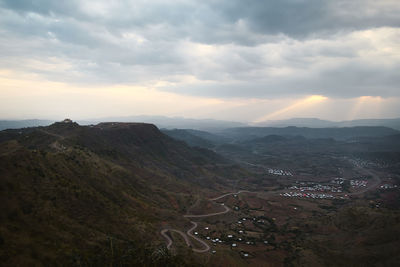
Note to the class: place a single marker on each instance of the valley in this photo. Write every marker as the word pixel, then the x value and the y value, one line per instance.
pixel 300 208
pixel 248 232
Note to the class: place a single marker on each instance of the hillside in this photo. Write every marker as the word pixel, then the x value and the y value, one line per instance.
pixel 97 195
pixel 188 138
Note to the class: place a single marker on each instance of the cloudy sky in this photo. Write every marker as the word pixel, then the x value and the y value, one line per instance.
pixel 224 59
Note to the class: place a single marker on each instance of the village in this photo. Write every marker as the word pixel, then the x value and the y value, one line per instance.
pixel 242 236
pixel 232 240
pixel 334 189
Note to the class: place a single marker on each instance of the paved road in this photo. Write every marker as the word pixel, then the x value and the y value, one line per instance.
pixel 189 232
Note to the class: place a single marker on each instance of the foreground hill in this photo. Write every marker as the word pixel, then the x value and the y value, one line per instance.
pixel 97 195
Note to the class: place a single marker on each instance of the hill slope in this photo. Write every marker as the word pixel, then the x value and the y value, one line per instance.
pixel 97 195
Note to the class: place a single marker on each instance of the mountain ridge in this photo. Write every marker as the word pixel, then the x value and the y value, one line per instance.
pixel 319 123
pixel 211 125
pixel 337 133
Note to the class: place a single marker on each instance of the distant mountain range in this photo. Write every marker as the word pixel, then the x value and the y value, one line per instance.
pixel 211 125
pixel 318 123
pixel 343 133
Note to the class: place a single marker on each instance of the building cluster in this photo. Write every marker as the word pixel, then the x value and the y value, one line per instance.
pixel 318 187
pixel 234 240
pixel 279 172
pixel 308 195
pixel 365 163
pixel 358 183
pixel 388 186
pixel 338 181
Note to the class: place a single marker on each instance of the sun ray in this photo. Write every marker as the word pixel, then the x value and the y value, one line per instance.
pixel 298 105
pixel 366 105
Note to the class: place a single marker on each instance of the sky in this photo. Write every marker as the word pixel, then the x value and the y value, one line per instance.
pixel 235 60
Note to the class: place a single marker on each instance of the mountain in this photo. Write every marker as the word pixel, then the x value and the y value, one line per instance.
pixel 298 122
pixel 318 123
pixel 392 123
pixel 76 195
pixel 172 122
pixel 247 133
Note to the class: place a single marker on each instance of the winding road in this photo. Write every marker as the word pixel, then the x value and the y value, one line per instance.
pixel 189 232
pixel 169 244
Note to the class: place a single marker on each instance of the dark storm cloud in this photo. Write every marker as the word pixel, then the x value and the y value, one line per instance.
pixel 310 17
pixel 229 48
pixel 212 21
